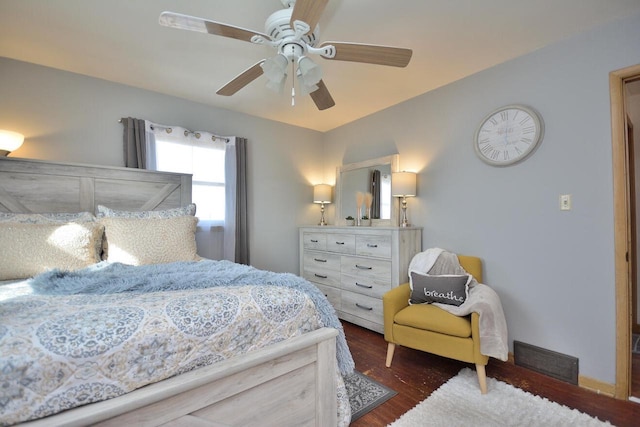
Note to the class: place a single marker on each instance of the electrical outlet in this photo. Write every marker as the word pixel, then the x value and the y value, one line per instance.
pixel 565 202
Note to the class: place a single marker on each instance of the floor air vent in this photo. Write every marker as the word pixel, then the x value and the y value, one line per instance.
pixel 546 362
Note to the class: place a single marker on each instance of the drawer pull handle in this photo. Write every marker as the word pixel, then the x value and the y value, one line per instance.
pixel 320 260
pixel 314 241
pixel 320 276
pixel 370 245
pixel 339 243
pixel 364 286
pixel 364 307
pixel 363 267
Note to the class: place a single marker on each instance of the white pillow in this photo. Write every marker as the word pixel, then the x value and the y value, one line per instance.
pixel 137 241
pixel 105 212
pixel 29 249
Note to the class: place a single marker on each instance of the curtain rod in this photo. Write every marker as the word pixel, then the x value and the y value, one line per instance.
pixel 168 129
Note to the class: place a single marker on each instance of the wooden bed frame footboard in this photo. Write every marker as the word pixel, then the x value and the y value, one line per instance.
pixel 291 383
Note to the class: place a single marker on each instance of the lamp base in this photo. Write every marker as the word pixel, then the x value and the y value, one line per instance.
pixel 4 153
pixel 322 221
pixel 404 222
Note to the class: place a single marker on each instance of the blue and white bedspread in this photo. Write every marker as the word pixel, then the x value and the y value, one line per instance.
pixel 127 327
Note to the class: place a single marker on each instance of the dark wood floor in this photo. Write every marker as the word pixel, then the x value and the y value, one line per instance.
pixel 415 375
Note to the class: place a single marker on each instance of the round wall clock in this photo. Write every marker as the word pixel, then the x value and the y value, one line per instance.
pixel 508 135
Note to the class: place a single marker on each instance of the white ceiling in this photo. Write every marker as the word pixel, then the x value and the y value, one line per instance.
pixel 121 41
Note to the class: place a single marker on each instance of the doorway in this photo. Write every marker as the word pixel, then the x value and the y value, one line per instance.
pixel 626 199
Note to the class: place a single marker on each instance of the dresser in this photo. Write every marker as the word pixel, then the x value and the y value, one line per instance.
pixel 355 266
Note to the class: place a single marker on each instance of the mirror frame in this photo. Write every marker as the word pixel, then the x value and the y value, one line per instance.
pixel 394 161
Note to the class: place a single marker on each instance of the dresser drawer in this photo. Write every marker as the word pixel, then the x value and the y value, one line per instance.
pixel 322 276
pixel 366 267
pixel 373 287
pixel 322 260
pixel 332 294
pixel 374 245
pixel 362 306
pixel 316 241
pixel 341 243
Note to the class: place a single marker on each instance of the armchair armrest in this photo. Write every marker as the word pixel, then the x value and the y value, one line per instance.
pixel 393 301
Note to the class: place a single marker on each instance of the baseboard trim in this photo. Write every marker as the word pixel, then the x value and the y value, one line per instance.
pixel 591 384
pixel 597 386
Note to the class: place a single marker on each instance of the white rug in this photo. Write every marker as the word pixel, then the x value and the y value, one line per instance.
pixel 459 402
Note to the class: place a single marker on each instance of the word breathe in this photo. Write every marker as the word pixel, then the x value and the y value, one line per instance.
pixel 449 295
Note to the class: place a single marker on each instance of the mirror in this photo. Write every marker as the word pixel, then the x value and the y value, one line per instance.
pixel 368 176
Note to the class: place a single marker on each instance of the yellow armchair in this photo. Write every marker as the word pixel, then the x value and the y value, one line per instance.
pixel 431 329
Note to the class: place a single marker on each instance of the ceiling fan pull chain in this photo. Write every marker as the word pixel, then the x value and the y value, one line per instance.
pixel 293 78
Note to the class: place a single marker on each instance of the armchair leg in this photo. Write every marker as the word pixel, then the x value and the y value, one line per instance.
pixel 482 378
pixel 390 349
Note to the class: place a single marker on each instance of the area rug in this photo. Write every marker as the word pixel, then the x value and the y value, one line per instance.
pixel 635 344
pixel 459 402
pixel 365 394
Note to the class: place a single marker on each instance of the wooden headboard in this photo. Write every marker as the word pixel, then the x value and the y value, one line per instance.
pixel 41 186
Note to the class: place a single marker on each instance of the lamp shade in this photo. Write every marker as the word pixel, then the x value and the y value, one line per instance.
pixel 310 72
pixel 403 184
pixel 275 68
pixel 10 141
pixel 322 193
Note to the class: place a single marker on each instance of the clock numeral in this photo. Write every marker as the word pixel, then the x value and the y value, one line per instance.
pixel 529 129
pixel 505 155
pixel 519 151
pixel 504 115
pixel 493 121
pixel 486 150
pixel 483 141
pixel 525 120
pixel 526 140
pixel 495 154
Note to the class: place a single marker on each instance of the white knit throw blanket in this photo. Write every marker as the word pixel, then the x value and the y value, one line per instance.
pixel 482 300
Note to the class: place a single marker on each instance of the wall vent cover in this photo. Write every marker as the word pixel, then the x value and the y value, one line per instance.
pixel 548 362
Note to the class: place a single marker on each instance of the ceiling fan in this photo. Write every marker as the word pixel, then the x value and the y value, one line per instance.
pixel 293 32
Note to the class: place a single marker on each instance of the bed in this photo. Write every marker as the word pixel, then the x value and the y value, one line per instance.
pixel 282 370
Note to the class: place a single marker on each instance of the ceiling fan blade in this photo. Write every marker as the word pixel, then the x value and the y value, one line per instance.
pixel 193 23
pixel 243 79
pixel 322 97
pixel 308 11
pixel 370 54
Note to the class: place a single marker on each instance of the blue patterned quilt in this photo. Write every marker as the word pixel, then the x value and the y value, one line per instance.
pixel 62 351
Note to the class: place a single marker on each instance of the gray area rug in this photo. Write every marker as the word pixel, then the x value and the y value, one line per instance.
pixel 365 394
pixel 459 403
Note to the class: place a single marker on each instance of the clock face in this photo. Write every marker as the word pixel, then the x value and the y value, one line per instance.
pixel 508 135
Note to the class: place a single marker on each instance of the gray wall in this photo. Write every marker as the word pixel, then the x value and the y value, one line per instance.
pixel 73 118
pixel 554 270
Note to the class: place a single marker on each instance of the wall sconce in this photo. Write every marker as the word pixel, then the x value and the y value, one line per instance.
pixel 10 141
pixel 403 184
pixel 322 195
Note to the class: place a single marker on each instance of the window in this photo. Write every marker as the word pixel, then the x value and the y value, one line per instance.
pixel 203 157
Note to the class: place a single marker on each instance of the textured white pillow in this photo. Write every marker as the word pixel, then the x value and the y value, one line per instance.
pixel 29 249
pixel 137 241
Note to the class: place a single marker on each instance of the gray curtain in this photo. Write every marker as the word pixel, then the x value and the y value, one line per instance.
pixel 134 143
pixel 242 222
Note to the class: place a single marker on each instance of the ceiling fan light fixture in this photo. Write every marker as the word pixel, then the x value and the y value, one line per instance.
pixel 310 72
pixel 275 68
pixel 277 87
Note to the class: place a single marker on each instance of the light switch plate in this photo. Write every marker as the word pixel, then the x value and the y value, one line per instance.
pixel 565 202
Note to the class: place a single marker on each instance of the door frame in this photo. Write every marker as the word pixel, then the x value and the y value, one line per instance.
pixel 622 228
